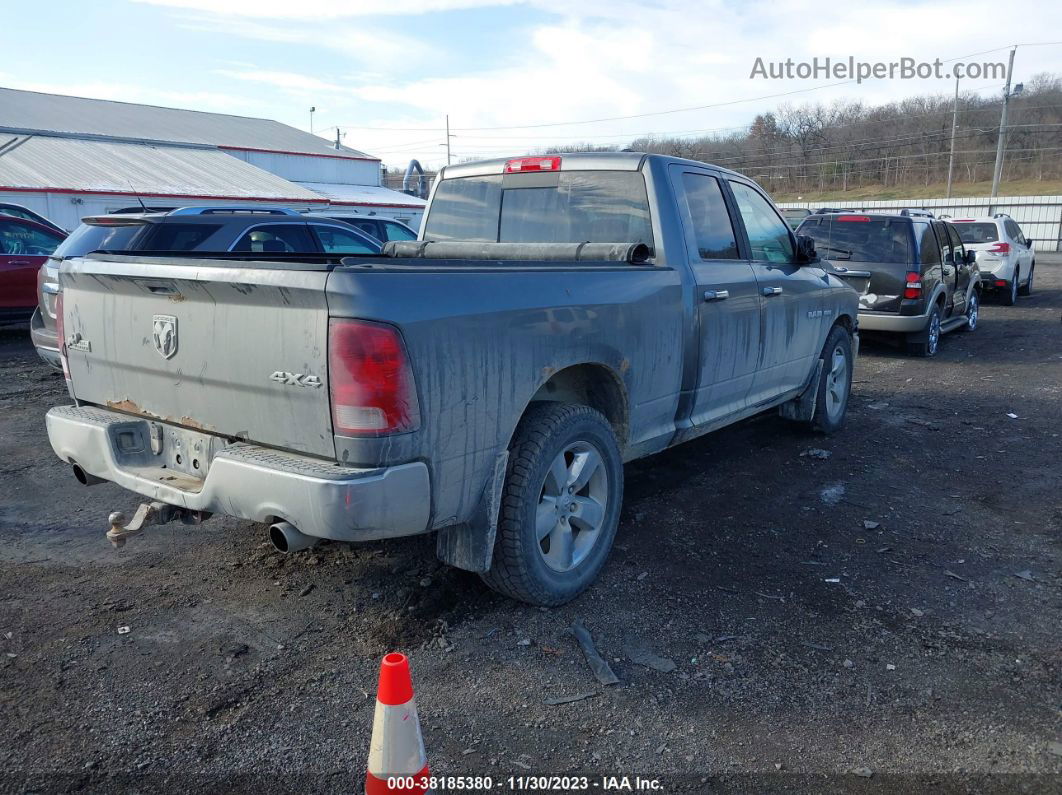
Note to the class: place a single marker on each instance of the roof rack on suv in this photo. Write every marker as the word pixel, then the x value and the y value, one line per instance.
pixel 827 210
pixel 1000 215
pixel 913 213
pixel 232 210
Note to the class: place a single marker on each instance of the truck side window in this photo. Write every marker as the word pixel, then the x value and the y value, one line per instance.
pixel 768 233
pixel 708 217
pixel 927 244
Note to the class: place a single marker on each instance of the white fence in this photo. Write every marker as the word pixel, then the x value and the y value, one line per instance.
pixel 1040 217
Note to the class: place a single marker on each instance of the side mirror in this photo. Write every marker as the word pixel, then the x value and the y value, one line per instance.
pixel 1029 242
pixel 971 257
pixel 805 250
pixel 949 258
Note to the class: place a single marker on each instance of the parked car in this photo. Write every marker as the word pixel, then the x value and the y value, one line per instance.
pixel 383 229
pixel 794 215
pixel 1004 255
pixel 26 214
pixel 259 230
pixel 921 282
pixel 24 246
pixel 431 390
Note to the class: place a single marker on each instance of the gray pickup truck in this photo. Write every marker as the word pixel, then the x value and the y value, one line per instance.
pixel 559 316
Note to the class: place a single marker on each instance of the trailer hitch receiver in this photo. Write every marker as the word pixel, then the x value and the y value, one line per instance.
pixel 149 513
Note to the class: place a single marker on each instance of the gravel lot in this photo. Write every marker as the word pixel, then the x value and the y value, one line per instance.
pixel 892 610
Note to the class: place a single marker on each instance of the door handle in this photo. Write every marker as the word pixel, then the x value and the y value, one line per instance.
pixel 19 262
pixel 716 295
pixel 769 291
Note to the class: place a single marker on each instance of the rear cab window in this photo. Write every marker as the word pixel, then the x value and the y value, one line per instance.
pixel 550 207
pixel 860 238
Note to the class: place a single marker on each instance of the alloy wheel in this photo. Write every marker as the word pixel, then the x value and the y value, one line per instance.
pixel 572 506
pixel 837 383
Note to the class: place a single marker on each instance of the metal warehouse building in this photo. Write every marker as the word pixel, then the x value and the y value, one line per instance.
pixel 68 157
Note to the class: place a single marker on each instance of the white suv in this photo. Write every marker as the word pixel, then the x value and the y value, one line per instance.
pixel 1005 256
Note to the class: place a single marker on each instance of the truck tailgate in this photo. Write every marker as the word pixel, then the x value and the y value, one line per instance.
pixel 233 348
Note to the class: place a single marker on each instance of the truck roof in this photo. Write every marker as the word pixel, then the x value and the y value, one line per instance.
pixel 574 161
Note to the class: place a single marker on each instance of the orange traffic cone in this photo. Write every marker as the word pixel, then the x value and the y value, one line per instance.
pixel 397 762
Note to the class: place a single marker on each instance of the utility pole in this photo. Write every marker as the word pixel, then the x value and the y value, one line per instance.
pixel 312 110
pixel 997 172
pixel 447 139
pixel 337 138
pixel 954 124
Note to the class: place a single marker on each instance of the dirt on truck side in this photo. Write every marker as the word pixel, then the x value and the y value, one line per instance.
pixel 877 609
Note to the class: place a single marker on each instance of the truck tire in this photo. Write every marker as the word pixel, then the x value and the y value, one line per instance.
pixel 560 505
pixel 926 343
pixel 835 384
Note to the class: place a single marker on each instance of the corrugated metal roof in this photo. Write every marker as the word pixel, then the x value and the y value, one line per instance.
pixel 364 194
pixel 42 162
pixel 30 110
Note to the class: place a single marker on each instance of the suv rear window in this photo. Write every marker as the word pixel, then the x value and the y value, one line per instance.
pixel 861 239
pixel 977 232
pixel 560 207
pixel 87 238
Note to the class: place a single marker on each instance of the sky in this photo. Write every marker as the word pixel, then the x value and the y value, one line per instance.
pixel 513 75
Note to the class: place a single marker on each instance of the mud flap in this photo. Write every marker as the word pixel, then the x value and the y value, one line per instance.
pixel 470 545
pixel 802 407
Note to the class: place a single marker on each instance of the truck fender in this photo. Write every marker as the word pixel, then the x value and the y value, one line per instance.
pixel 470 545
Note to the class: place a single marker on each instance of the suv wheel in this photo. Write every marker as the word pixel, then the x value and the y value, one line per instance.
pixel 1026 289
pixel 831 401
pixel 973 309
pixel 560 506
pixel 931 342
pixel 1011 296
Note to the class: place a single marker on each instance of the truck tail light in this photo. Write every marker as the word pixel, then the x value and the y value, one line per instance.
pixel 913 285
pixel 370 380
pixel 519 165
pixel 1000 248
pixel 60 333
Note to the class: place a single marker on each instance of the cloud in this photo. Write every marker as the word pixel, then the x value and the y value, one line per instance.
pixel 324 9
pixel 289 81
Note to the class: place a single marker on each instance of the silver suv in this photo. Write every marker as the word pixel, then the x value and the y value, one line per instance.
pixel 1005 256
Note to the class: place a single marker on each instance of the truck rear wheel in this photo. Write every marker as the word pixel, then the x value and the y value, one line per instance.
pixel 560 506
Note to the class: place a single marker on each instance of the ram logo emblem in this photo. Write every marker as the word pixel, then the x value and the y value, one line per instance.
pixel 164 335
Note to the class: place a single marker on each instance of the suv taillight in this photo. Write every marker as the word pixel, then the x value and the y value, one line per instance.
pixel 370 380
pixel 913 285
pixel 1000 248
pixel 60 334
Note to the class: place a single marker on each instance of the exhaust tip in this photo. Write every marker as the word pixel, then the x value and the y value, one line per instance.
pixel 286 538
pixel 84 478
